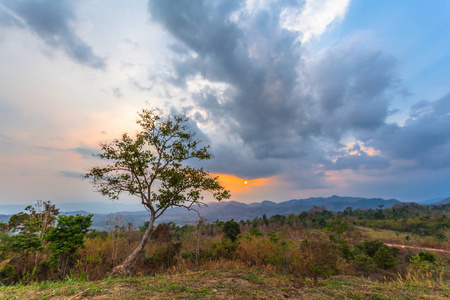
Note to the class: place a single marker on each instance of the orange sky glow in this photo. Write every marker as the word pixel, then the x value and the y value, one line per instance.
pixel 238 185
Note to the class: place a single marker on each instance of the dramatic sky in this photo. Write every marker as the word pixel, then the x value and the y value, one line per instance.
pixel 298 98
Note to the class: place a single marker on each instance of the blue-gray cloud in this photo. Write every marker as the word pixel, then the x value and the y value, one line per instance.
pixel 424 139
pixel 86 152
pixel 280 108
pixel 52 22
pixel 70 174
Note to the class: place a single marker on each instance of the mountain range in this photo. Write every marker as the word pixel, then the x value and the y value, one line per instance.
pixel 223 211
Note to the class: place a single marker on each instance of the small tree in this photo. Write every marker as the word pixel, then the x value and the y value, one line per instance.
pixel 25 238
pixel 231 230
pixel 66 238
pixel 152 167
pixel 44 212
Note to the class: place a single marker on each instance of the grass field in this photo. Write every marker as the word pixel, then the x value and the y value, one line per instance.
pixel 229 284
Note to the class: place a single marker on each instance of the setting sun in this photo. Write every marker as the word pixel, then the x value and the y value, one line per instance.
pixel 236 184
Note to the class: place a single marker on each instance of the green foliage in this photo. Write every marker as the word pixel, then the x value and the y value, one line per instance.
pixel 300 248
pixel 97 234
pixel 42 216
pixel 4 227
pixel 25 242
pixel 156 155
pixel 385 259
pixel 363 262
pixel 66 238
pixel 152 166
pixel 254 231
pixel 8 275
pixel 423 256
pixel 383 256
pixel 166 257
pixel 371 247
pixel 231 230
pixel 16 221
pixel 224 249
pixel 428 264
pixel 4 244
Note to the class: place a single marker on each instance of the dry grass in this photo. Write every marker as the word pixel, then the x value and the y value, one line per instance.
pixel 395 237
pixel 230 284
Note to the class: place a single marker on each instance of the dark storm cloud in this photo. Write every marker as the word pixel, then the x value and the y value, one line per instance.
pixel 361 161
pixel 284 110
pixel 424 139
pixel 348 84
pixel 52 22
pixel 258 62
pixel 230 160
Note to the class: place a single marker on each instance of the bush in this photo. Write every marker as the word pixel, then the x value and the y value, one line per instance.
pixel 375 253
pixel 8 275
pixel 385 259
pixel 315 259
pixel 363 263
pixel 428 264
pixel 231 230
pixel 224 249
pixel 166 257
pixel 254 231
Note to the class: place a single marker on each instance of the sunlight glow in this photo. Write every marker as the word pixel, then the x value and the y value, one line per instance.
pixel 236 184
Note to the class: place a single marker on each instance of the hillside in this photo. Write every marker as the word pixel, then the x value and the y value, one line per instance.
pixel 223 211
pixel 445 201
pixel 228 210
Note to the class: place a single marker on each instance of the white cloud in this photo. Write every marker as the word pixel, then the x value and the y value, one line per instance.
pixel 314 17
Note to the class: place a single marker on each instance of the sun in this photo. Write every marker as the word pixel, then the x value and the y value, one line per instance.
pixel 245 182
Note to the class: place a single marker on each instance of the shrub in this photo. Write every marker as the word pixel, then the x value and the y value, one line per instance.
pixel 166 257
pixel 8 275
pixel 315 259
pixel 254 231
pixel 428 264
pixel 65 239
pixel 363 263
pixel 224 249
pixel 231 230
pixel 373 254
pixel 384 258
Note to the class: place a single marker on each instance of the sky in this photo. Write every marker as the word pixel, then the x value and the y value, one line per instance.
pixel 296 98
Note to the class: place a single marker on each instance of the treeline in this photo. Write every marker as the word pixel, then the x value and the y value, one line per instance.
pixel 40 240
pixel 40 244
pixel 404 217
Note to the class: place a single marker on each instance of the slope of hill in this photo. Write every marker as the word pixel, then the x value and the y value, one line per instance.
pixel 227 210
pixel 431 201
pixel 223 211
pixel 444 201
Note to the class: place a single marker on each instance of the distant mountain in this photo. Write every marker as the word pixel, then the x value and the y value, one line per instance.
pixel 227 210
pixel 444 201
pixel 224 210
pixel 90 207
pixel 431 201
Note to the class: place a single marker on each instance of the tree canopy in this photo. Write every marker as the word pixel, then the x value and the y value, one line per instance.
pixel 153 166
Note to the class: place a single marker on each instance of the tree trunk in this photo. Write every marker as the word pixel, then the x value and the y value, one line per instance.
pixel 125 268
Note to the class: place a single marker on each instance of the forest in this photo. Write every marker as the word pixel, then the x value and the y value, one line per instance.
pixel 40 244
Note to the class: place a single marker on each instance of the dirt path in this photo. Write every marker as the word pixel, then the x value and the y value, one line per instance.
pixel 418 248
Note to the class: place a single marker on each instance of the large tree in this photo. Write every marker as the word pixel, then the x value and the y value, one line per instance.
pixel 153 166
